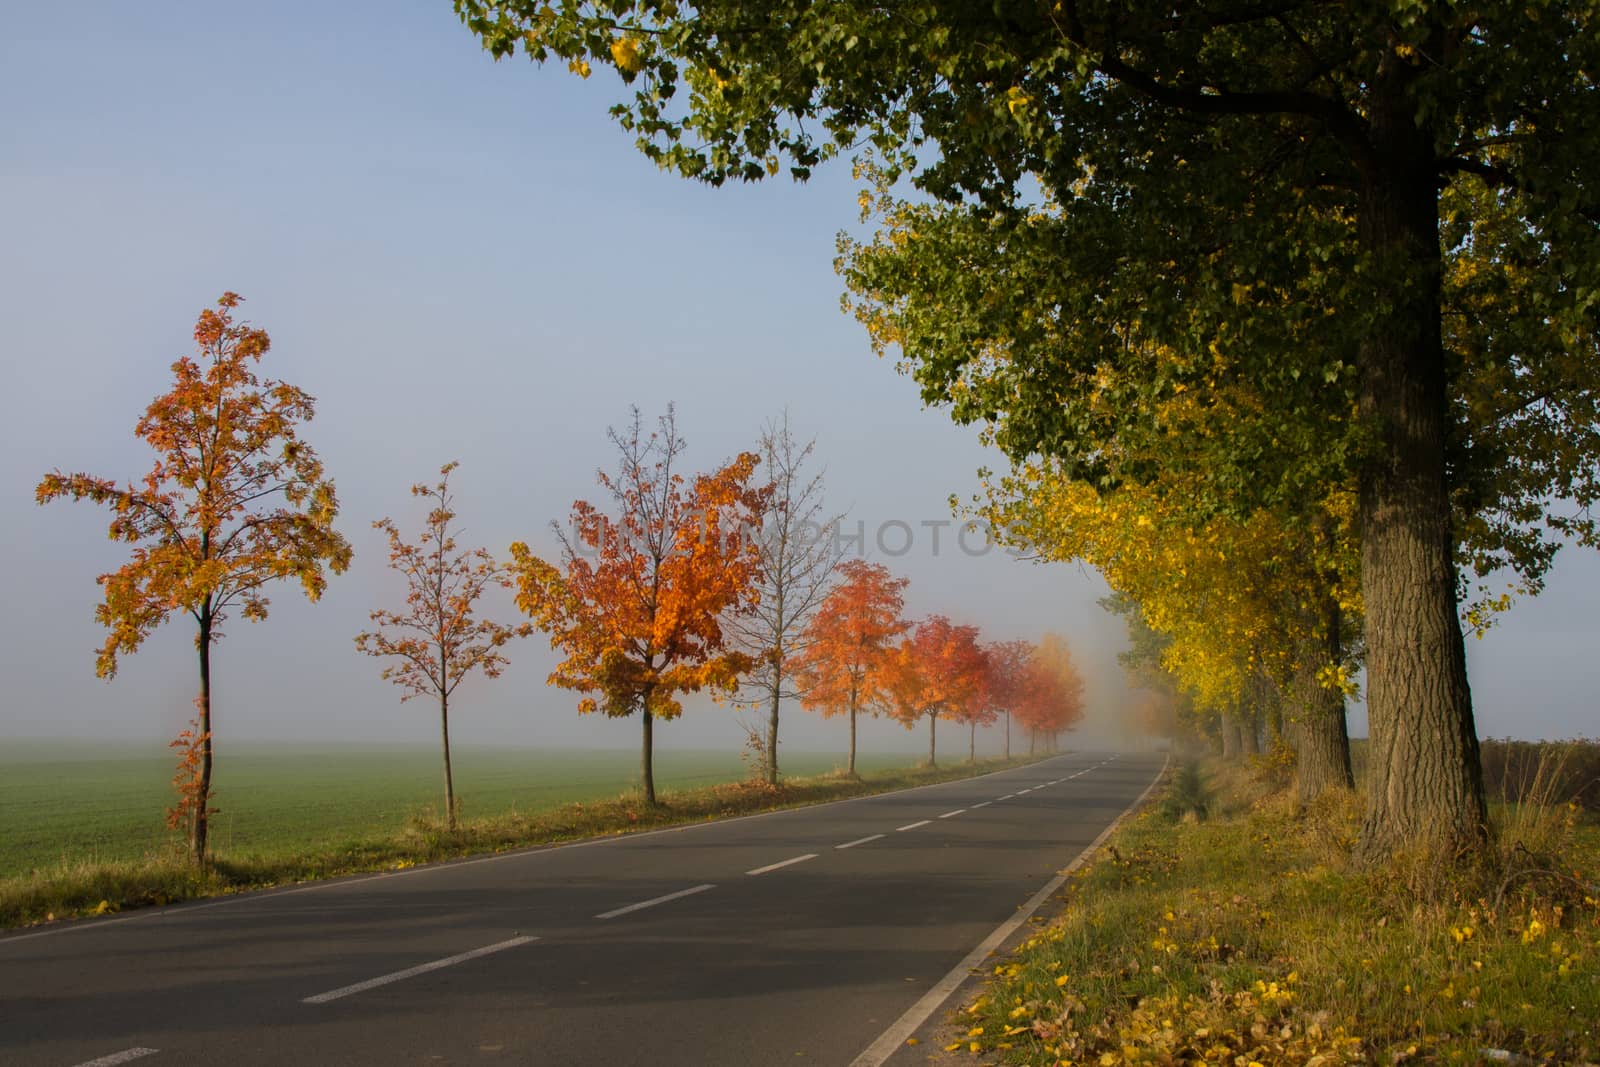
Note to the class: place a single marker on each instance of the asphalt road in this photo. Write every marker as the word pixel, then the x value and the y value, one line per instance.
pixel 794 937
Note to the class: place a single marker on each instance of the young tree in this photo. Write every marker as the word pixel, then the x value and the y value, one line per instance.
pixel 1220 176
pixel 939 671
pixel 847 657
pixel 1051 699
pixel 798 549
pixel 980 709
pixel 234 502
pixel 438 640
pixel 641 602
pixel 1007 666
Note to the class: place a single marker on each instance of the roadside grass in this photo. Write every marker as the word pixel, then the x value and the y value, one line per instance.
pixel 162 876
pixel 1250 938
pixel 64 803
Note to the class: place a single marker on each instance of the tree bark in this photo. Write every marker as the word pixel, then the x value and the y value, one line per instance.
pixel 1232 738
pixel 647 768
pixel 1250 729
pixel 449 779
pixel 1322 756
pixel 1008 735
pixel 933 719
pixel 772 728
pixel 1033 741
pixel 1270 699
pixel 200 822
pixel 972 743
pixel 1425 785
pixel 852 767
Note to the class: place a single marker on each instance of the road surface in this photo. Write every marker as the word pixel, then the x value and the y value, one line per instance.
pixel 796 937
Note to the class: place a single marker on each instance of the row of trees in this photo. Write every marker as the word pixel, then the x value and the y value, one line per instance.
pixel 936 670
pixel 1313 276
pixel 731 582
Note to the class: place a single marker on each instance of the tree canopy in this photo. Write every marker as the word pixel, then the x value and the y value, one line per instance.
pixel 1365 237
pixel 235 501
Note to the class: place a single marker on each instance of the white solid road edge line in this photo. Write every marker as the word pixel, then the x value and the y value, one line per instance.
pixel 783 863
pixel 859 841
pixel 127 1055
pixel 653 901
pixel 912 825
pixel 412 972
pixel 890 1041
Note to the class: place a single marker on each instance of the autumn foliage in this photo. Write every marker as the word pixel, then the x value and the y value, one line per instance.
pixel 1050 699
pixel 438 639
pixel 639 603
pixel 938 672
pixel 848 652
pixel 1006 664
pixel 234 502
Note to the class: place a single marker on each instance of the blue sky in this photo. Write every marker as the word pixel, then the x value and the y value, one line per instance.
pixel 461 260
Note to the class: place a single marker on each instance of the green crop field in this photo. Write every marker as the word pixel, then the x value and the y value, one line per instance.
pixel 64 802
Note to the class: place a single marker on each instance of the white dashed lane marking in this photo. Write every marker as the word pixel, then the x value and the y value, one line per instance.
pixel 859 841
pixel 412 972
pixel 783 863
pixel 912 825
pixel 653 901
pixel 127 1055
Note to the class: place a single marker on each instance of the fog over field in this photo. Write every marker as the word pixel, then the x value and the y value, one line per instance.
pixel 465 261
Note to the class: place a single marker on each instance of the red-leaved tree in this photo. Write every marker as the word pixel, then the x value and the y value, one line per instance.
pixel 1051 700
pixel 847 655
pixel 938 671
pixel 1007 674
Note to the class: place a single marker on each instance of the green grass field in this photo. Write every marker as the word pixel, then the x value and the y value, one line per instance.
pixel 69 802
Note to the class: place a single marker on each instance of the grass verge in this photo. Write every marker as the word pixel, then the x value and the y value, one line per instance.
pixel 1250 939
pixel 73 889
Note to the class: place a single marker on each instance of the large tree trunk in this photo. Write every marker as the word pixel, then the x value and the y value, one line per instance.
pixel 449 779
pixel 200 823
pixel 1322 759
pixel 933 720
pixel 972 743
pixel 1008 735
pixel 1250 729
pixel 1322 756
pixel 1270 699
pixel 1425 786
pixel 1232 739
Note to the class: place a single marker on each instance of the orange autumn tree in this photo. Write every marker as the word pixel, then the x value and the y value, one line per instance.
pixel 939 671
pixel 438 639
pixel 641 599
pixel 1007 663
pixel 979 709
pixel 1051 697
pixel 844 665
pixel 234 502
